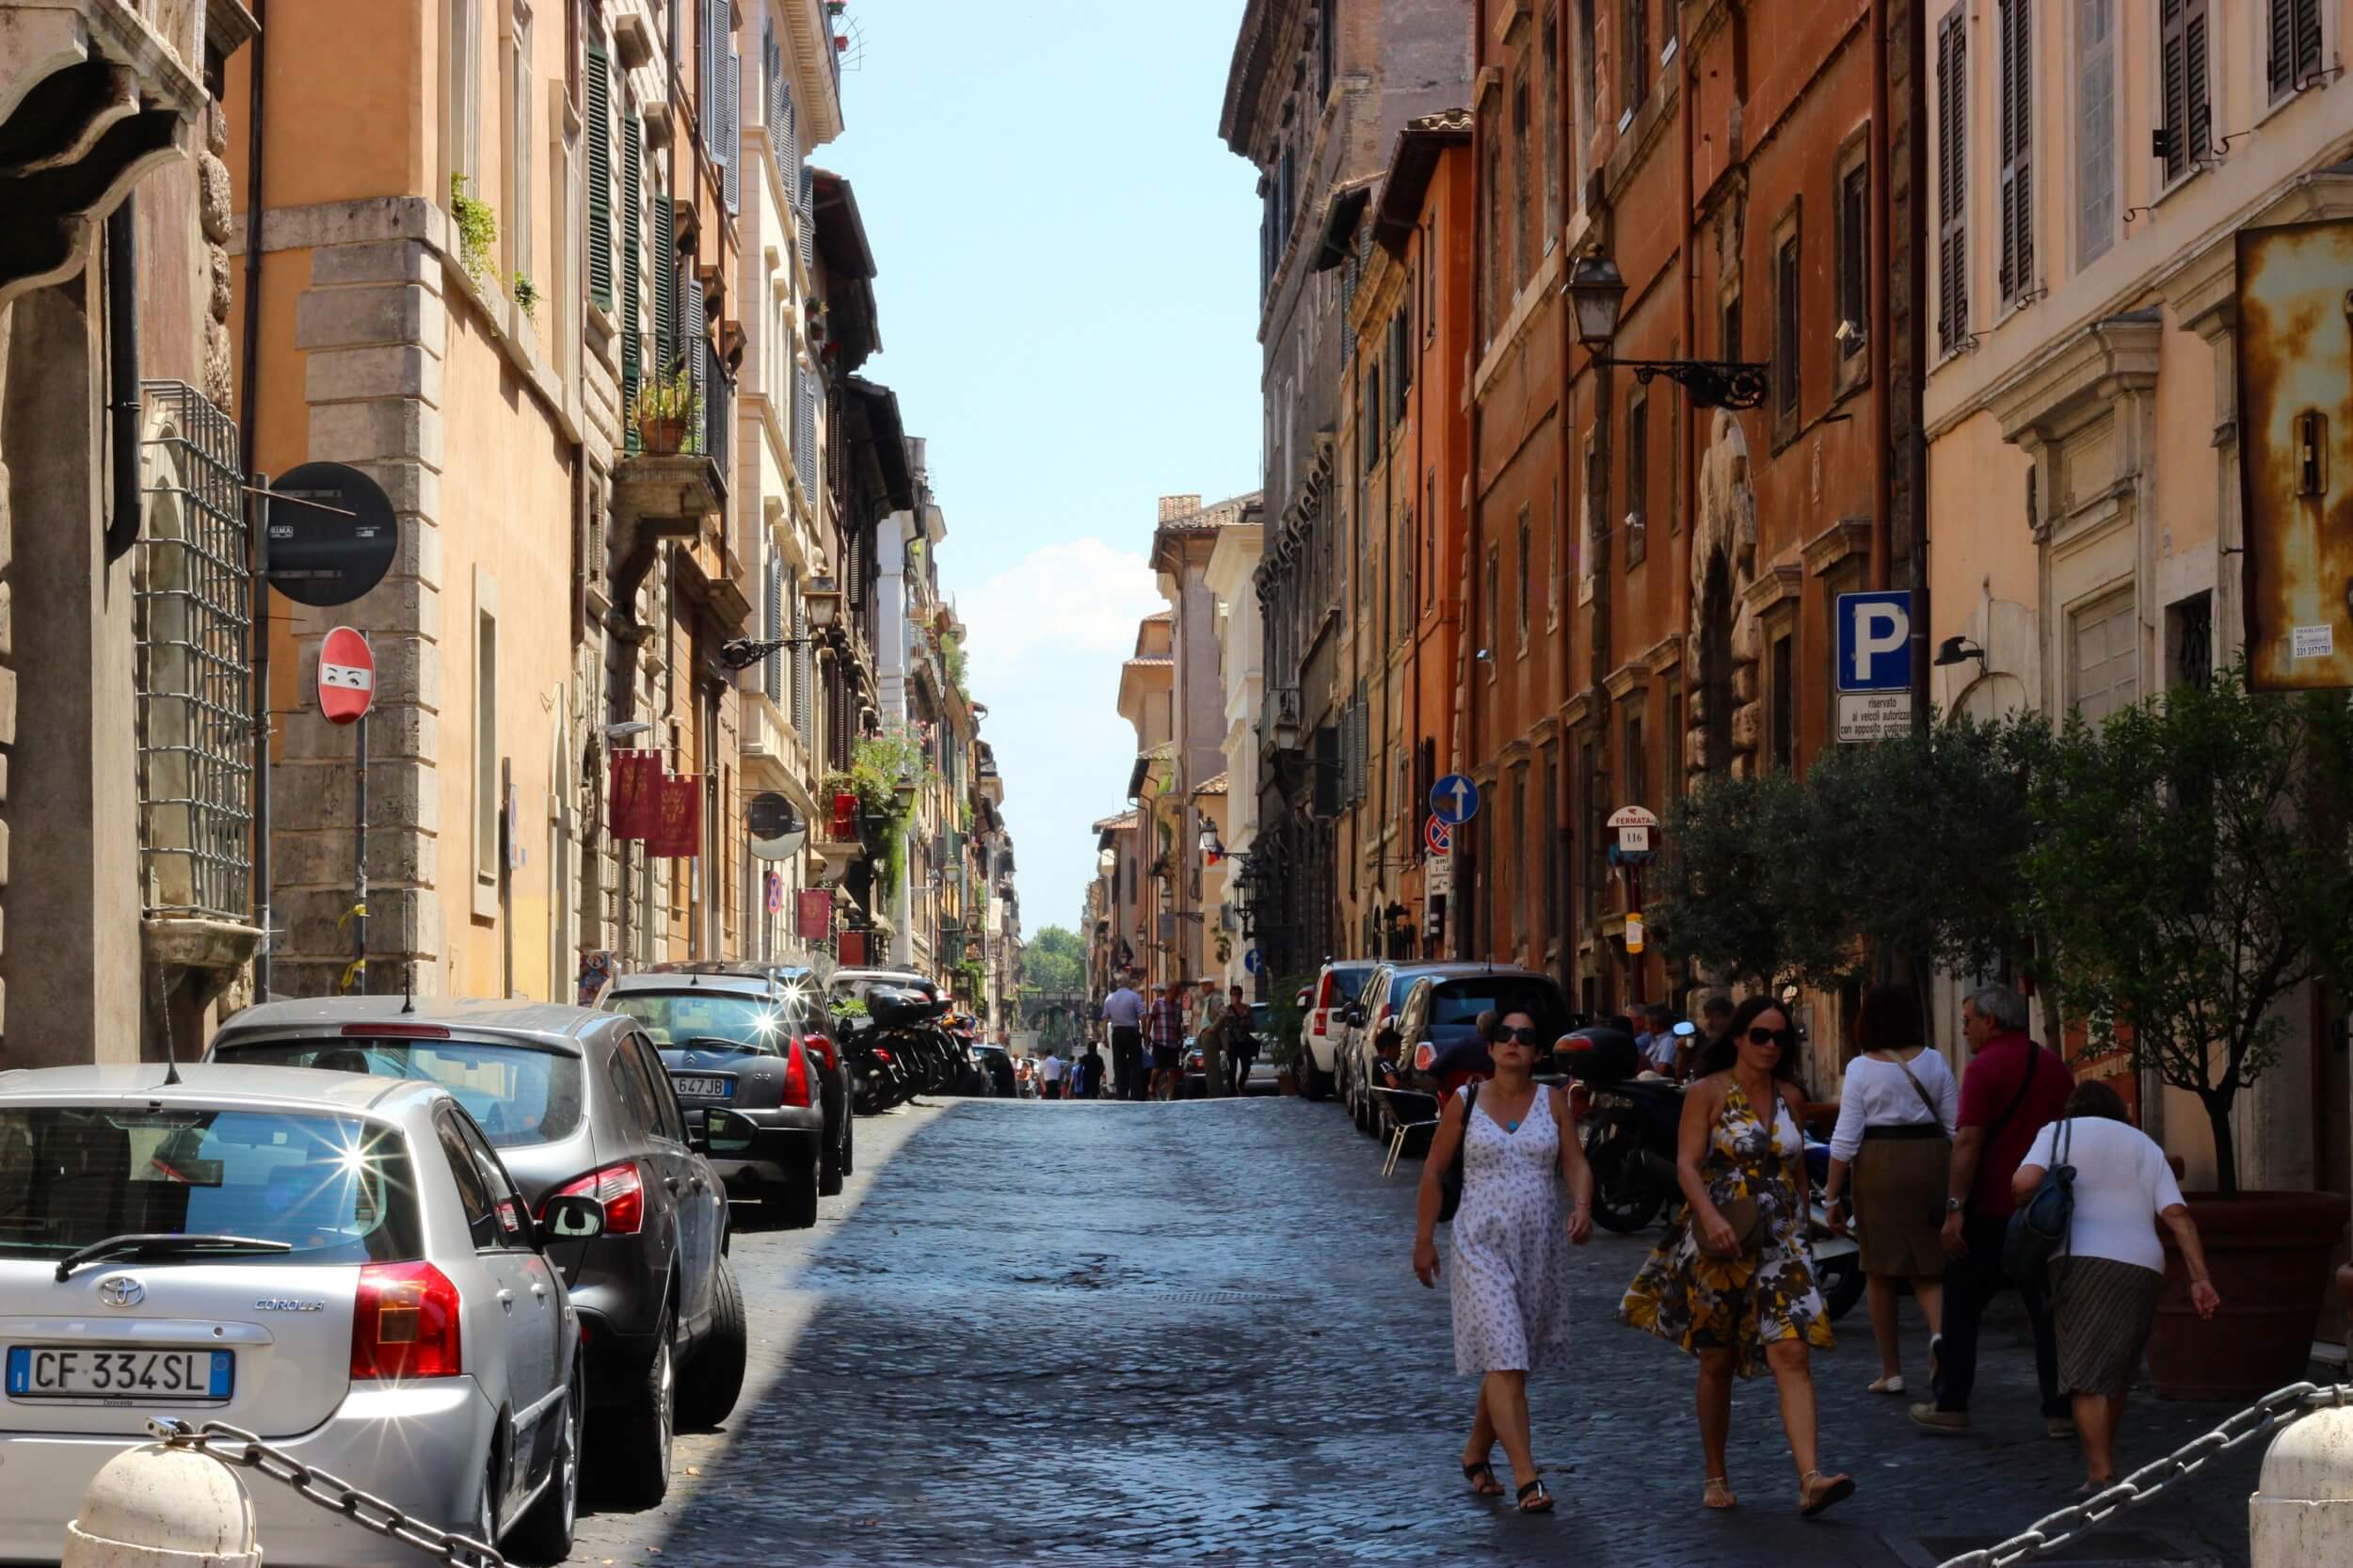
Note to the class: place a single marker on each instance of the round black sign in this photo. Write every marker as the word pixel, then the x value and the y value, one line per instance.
pixel 331 534
pixel 770 816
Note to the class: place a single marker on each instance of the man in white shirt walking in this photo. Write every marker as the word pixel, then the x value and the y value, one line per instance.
pixel 1123 1015
pixel 1050 1071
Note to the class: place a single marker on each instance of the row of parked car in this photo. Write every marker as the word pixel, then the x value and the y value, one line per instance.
pixel 448 1250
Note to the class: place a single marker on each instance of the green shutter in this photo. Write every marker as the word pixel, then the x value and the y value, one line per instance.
pixel 599 94
pixel 663 233
pixel 633 215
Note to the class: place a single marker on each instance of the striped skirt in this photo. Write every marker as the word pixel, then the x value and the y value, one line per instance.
pixel 2103 1311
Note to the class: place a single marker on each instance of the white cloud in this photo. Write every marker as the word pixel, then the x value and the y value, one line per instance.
pixel 1076 599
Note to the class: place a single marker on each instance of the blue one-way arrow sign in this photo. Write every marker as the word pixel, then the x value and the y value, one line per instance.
pixel 1455 800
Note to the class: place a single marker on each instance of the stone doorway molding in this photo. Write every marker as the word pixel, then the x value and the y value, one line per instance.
pixel 1724 640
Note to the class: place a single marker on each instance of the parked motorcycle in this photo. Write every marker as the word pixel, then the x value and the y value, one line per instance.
pixel 1837 1259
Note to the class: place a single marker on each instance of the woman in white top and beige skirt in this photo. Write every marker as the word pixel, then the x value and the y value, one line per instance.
pixel 2105 1278
pixel 1895 1117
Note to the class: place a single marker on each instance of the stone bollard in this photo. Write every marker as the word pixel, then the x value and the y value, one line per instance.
pixel 2302 1511
pixel 158 1507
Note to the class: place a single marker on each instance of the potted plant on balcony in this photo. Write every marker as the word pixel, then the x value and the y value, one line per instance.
pixel 2193 875
pixel 662 411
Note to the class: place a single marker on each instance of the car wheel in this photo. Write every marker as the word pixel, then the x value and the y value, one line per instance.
pixel 1313 1085
pixel 1625 1200
pixel 545 1534
pixel 829 1167
pixel 485 1525
pixel 718 1366
pixel 796 1200
pixel 1842 1280
pixel 643 1428
pixel 849 1143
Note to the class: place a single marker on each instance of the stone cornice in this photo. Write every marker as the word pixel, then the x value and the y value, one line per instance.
pixel 1777 584
pixel 1664 656
pixel 1621 681
pixel 2065 389
pixel 1846 537
pixel 1575 711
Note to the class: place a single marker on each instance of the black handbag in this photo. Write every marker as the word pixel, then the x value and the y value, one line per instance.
pixel 1451 1180
pixel 2038 1230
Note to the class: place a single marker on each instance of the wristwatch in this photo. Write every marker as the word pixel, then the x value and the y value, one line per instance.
pixel 1953 1206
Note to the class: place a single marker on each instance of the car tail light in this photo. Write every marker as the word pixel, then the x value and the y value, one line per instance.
pixel 619 1188
pixel 404 1323
pixel 1322 1014
pixel 797 1076
pixel 881 1055
pixel 824 1049
pixel 397 1032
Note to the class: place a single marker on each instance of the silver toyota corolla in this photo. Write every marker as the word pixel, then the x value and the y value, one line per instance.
pixel 338 1264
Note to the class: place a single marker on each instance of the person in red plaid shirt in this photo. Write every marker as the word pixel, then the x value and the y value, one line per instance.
pixel 1164 1031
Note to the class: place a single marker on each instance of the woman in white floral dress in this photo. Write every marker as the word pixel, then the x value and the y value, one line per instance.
pixel 1509 1283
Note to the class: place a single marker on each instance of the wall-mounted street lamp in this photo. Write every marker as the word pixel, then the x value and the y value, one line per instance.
pixel 1959 650
pixel 824 601
pixel 1597 293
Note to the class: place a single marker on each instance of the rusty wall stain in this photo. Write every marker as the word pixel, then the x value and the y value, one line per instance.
pixel 2294 356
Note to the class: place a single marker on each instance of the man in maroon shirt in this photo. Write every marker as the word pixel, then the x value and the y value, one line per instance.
pixel 2013 1089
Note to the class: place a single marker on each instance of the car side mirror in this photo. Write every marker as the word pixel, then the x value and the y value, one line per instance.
pixel 727 1134
pixel 571 1217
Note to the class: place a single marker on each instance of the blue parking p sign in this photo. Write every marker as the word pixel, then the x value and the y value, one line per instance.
pixel 1875 641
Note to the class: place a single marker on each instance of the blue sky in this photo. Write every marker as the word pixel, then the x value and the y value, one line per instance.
pixel 1067 283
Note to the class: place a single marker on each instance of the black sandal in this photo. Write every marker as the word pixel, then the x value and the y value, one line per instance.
pixel 1542 1503
pixel 1472 1473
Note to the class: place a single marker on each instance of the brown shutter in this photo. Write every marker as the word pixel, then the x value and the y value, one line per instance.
pixel 2017 148
pixel 1952 52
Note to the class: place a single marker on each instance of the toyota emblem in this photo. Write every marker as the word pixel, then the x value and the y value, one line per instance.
pixel 120 1290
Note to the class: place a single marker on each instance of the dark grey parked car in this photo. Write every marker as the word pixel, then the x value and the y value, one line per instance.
pixel 575 1101
pixel 745 1037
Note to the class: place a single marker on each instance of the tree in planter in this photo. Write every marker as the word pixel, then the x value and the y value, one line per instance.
pixel 2193 874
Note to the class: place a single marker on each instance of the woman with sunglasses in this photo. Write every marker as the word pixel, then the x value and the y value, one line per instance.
pixel 1510 1285
pixel 1733 1283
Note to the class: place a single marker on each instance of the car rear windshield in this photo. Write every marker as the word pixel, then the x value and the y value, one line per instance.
pixel 708 1018
pixel 519 1095
pixel 335 1189
pixel 1349 984
pixel 1460 1001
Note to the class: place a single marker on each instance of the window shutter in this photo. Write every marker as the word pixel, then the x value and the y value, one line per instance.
pixel 2017 237
pixel 2197 80
pixel 599 97
pixel 773 622
pixel 731 128
pixel 2295 44
pixel 662 232
pixel 632 215
pixel 692 342
pixel 809 218
pixel 1952 181
pixel 805 431
pixel 801 658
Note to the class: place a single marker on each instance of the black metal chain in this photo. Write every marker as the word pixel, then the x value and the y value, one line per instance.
pixel 234 1445
pixel 2049 1533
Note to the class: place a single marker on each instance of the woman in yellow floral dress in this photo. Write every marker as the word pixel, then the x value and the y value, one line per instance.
pixel 1735 1296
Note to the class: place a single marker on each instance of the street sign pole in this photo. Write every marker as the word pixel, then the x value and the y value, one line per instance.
pixel 257 659
pixel 356 978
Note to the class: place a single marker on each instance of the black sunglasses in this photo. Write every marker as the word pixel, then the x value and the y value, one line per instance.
pixel 1524 1036
pixel 1784 1038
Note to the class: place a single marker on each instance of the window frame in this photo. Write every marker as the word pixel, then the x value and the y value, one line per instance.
pixel 2091 247
pixel 1849 363
pixel 1789 359
pixel 1637 448
pixel 2198 92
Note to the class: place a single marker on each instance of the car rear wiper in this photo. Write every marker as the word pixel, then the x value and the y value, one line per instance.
pixel 740 1047
pixel 160 1246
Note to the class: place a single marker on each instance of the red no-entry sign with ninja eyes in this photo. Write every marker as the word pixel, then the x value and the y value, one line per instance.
pixel 346 676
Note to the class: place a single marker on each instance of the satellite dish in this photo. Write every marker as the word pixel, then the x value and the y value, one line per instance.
pixel 778 831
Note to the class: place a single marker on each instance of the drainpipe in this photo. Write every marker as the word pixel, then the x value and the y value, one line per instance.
pixel 1880 328
pixel 122 373
pixel 257 545
pixel 1916 392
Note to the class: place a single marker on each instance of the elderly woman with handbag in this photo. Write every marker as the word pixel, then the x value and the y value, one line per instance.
pixel 1733 1282
pixel 1507 1147
pixel 2093 1186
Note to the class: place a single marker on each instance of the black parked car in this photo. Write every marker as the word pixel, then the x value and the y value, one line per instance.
pixel 1440 1047
pixel 575 1101
pixel 745 1037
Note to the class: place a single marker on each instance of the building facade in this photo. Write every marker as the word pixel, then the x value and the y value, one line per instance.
pixel 2099 169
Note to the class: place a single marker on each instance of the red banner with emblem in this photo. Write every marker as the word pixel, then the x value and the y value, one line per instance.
pixel 632 804
pixel 851 948
pixel 844 817
pixel 678 833
pixel 815 915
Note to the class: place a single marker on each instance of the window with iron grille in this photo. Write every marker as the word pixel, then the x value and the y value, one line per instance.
pixel 193 599
pixel 2095 128
pixel 2189 640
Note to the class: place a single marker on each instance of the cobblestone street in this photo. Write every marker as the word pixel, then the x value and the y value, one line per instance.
pixel 1114 1334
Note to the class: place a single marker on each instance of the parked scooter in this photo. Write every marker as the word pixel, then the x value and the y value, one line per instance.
pixel 1837 1259
pixel 1631 1125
